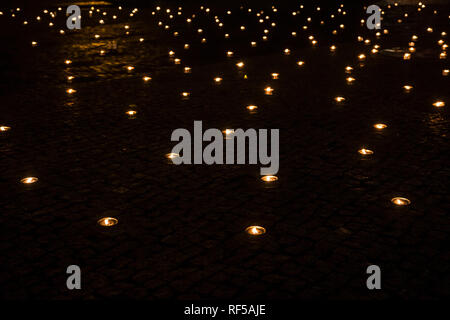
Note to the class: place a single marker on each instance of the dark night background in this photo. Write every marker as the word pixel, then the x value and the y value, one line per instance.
pixel 181 228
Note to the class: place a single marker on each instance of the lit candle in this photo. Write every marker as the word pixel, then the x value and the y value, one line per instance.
pixel 255 230
pixel 275 76
pixel 130 68
pixel 350 80
pixel 29 180
pixel 240 64
pixel 380 126
pixel 252 108
pixel 408 88
pixel 4 128
pixel 187 70
pixel 287 52
pixel 445 72
pixel 362 57
pixel 70 91
pixel 407 56
pixel 218 80
pixel 146 78
pixel 269 178
pixel 365 152
pixel 107 222
pixel 268 91
pixel 400 201
pixel 339 99
pixel 172 155
pixel 439 104
pixel 300 63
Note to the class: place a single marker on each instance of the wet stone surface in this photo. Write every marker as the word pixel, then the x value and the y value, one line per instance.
pixel 181 228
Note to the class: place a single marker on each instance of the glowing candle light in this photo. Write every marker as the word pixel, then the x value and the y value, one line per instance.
pixel 400 201
pixel 131 113
pixel 445 72
pixel 130 68
pixel 362 57
pixel 407 56
pixel 268 91
pixel 252 108
pixel 218 80
pixel 348 69
pixel 70 91
pixel 177 61
pixel 380 126
pixel 269 178
pixel 255 230
pixel 339 99
pixel 439 104
pixel 70 78
pixel 365 152
pixel 107 222
pixel 187 70
pixel 253 44
pixel 287 51
pixel 186 46
pixel 230 53
pixel 185 94
pixel 172 155
pixel 333 48
pixel 240 64
pixel 300 63
pixel 29 180
pixel 275 76
pixel 34 43
pixel 443 55
pixel 350 80
pixel 146 78
pixel 4 128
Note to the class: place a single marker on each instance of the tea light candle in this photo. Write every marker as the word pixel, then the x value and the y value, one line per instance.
pixel 187 70
pixel 29 180
pixel 70 91
pixel 408 88
pixel 380 126
pixel 268 91
pixel 240 64
pixel 146 78
pixel 400 201
pixel 287 51
pixel 300 63
pixel 255 230
pixel 130 68
pixel 107 221
pixel 252 108
pixel 275 76
pixel 339 99
pixel 269 178
pixel 4 128
pixel 172 155
pixel 439 104
pixel 218 80
pixel 350 80
pixel 445 72
pixel 365 152
pixel 362 57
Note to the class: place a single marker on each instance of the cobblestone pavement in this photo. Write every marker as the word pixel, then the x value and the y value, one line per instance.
pixel 181 228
